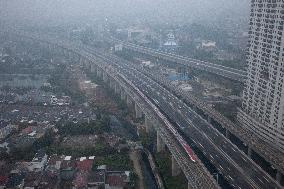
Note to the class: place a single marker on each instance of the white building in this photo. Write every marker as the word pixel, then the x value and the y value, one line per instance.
pixel 38 163
pixel 170 44
pixel 208 44
pixel 118 47
pixel 263 96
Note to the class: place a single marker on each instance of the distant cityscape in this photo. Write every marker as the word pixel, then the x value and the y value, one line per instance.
pixel 97 97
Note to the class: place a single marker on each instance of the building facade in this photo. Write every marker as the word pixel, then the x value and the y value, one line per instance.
pixel 263 95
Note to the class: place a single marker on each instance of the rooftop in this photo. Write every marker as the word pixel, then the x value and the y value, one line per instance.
pixel 85 165
pixel 117 179
pixel 97 176
pixel 67 158
pixel 3 180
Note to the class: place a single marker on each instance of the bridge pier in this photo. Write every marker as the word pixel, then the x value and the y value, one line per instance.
pixel 49 47
pixel 117 88
pixel 70 55
pixel 111 84
pixel 84 63
pixel 249 151
pixel 81 61
pixel 175 167
pixel 160 143
pixel 209 119
pixel 77 58
pixel 99 72
pixel 122 95
pixel 65 53
pixel 138 112
pixel 278 176
pixel 148 125
pixel 227 133
pixel 104 77
pixel 128 101
pixel 87 65
pixel 93 69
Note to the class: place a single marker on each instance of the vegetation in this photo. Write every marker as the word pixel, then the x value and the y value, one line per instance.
pixel 146 139
pixel 99 150
pixel 117 161
pixel 46 140
pixel 228 111
pixel 163 162
pixel 121 104
pixel 95 127
pixel 23 153
pixel 63 83
pixel 26 150
pixel 133 180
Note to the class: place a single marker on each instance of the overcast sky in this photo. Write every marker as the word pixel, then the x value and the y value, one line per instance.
pixel 167 10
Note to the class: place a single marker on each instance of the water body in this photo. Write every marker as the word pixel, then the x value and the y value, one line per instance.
pixel 150 181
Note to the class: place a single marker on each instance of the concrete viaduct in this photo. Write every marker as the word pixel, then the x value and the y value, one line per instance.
pixel 195 172
pixel 154 119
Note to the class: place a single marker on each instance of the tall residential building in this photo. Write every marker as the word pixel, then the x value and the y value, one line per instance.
pixel 263 96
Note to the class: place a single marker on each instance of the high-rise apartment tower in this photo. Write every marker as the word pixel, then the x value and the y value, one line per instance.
pixel 263 95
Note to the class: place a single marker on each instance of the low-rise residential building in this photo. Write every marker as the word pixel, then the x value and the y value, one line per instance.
pixel 54 164
pixel 84 167
pixel 15 180
pixel 6 130
pixel 5 169
pixel 38 163
pixel 68 169
pixel 3 181
pixel 117 180
pixel 96 179
pixel 207 45
pixel 61 172
pixel 32 180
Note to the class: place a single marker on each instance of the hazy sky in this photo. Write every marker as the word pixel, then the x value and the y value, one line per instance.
pixel 167 10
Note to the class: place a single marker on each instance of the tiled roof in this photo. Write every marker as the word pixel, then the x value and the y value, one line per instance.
pixel 116 180
pixel 85 165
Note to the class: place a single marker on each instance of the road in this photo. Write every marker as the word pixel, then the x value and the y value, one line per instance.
pixel 240 171
pixel 231 73
pixel 137 167
pixel 229 160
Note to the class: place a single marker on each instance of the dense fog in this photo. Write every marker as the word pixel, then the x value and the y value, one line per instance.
pixel 179 11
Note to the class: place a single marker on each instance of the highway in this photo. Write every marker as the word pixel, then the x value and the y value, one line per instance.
pixel 200 177
pixel 240 171
pixel 270 154
pixel 227 72
pixel 229 160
